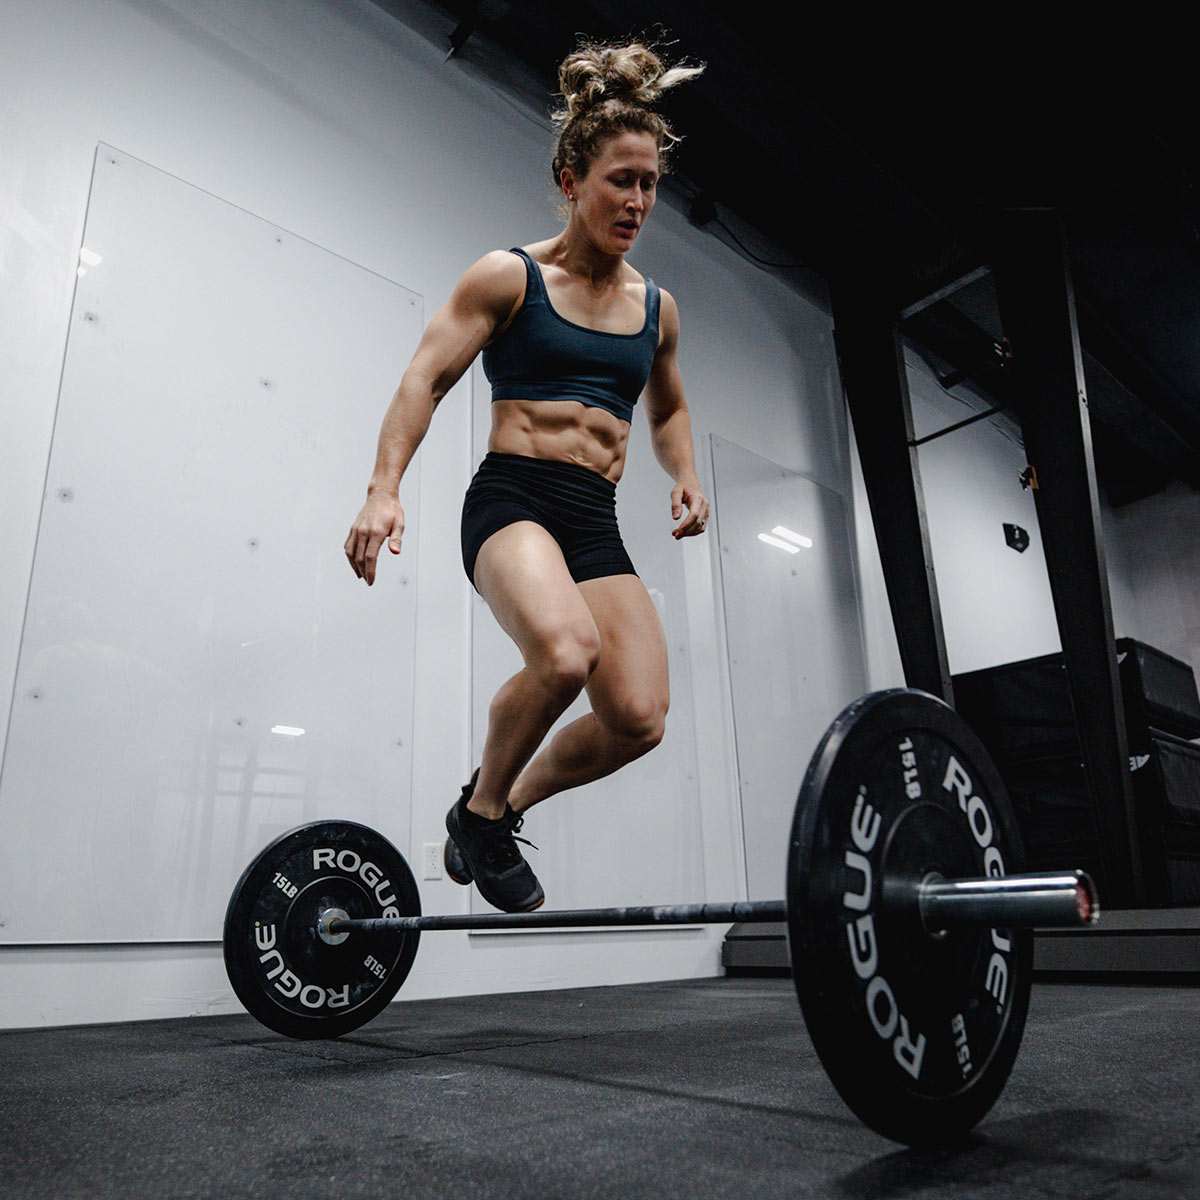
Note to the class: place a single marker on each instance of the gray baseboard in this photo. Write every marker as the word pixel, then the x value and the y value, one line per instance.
pixel 1162 942
pixel 1142 942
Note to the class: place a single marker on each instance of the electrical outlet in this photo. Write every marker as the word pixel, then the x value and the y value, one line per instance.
pixel 431 860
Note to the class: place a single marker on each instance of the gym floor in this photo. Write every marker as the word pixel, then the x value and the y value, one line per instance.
pixel 702 1088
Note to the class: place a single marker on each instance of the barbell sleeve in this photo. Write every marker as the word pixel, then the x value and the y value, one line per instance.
pixel 1063 900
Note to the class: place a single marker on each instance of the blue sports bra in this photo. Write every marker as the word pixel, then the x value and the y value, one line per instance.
pixel 543 356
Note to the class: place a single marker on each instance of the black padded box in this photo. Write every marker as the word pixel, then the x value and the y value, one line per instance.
pixel 1050 798
pixel 1024 708
pixel 1020 709
pixel 1058 826
pixel 1023 713
pixel 1159 691
pixel 1166 786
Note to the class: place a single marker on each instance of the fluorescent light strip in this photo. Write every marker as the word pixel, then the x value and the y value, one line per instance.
pixel 287 730
pixel 798 538
pixel 774 541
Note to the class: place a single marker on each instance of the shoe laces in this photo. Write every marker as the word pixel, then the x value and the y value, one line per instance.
pixel 500 842
pixel 518 822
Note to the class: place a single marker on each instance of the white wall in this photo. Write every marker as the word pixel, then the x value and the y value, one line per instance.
pixel 996 603
pixel 346 127
pixel 1158 543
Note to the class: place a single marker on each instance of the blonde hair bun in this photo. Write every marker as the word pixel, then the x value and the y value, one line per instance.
pixel 596 72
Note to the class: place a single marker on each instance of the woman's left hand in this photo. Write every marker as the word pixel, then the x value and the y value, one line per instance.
pixel 687 494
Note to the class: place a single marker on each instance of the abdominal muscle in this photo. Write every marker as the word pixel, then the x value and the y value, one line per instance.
pixel 562 431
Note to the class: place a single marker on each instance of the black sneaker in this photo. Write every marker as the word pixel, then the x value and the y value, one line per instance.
pixel 489 854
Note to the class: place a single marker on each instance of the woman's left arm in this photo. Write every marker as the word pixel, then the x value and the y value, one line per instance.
pixel 671 425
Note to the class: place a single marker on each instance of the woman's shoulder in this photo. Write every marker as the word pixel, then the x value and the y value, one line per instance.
pixel 496 279
pixel 498 264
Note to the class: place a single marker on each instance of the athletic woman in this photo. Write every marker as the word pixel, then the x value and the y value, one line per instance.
pixel 572 336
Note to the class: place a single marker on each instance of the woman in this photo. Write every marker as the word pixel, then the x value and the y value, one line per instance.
pixel 571 336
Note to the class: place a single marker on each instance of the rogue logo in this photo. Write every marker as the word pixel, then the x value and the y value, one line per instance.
pixel 886 1018
pixel 979 820
pixel 286 981
pixel 351 863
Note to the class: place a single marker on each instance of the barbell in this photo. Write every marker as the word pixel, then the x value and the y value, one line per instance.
pixel 907 910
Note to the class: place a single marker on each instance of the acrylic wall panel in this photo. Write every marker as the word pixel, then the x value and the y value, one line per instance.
pixel 220 400
pixel 633 838
pixel 794 636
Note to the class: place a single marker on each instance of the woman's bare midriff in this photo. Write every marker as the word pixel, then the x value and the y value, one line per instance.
pixel 563 431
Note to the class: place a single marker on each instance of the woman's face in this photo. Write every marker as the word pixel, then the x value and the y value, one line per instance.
pixel 613 200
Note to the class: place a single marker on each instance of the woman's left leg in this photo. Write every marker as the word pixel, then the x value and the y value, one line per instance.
pixel 628 690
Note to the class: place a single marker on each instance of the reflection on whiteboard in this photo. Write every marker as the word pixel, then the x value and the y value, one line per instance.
pixel 200 669
pixel 794 635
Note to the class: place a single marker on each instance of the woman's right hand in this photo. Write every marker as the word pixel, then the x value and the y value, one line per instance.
pixel 381 519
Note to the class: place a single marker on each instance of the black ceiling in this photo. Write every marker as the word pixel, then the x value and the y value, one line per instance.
pixel 858 141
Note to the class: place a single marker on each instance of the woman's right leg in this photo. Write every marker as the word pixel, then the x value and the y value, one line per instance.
pixel 521 574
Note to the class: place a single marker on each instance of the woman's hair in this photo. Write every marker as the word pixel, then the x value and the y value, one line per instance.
pixel 609 90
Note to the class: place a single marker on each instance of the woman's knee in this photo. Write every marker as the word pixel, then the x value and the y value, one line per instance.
pixel 639 720
pixel 565 661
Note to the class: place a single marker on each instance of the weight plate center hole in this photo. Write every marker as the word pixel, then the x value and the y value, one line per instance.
pixel 325 919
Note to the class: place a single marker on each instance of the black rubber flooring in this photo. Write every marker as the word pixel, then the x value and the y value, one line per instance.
pixel 703 1088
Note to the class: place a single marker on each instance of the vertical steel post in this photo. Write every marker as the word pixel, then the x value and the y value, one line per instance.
pixel 871 360
pixel 1037 309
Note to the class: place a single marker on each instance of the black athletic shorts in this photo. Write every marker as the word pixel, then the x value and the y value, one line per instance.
pixel 575 505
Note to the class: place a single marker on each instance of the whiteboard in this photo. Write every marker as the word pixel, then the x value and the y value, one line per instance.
pixel 793 631
pixel 219 406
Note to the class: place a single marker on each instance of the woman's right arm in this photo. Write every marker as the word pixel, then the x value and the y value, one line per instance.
pixel 483 300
